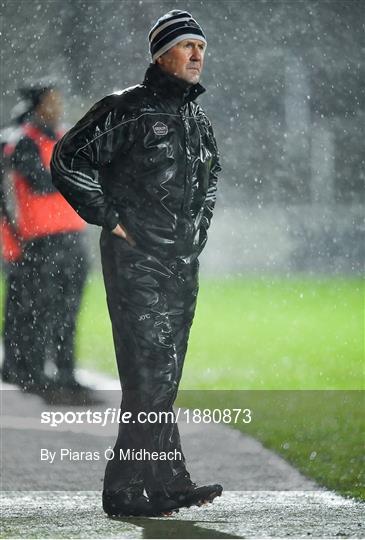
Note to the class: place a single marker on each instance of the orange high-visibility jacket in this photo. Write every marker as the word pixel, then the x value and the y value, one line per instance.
pixel 38 214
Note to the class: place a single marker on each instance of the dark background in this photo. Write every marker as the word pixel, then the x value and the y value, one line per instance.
pixel 285 87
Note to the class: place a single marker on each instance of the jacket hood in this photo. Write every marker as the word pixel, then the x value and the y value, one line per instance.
pixel 170 87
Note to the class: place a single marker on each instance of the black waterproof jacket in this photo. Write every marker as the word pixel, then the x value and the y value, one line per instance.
pixel 145 158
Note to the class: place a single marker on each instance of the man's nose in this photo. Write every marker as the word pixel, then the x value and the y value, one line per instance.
pixel 196 54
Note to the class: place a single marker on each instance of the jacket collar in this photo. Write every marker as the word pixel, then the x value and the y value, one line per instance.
pixel 171 87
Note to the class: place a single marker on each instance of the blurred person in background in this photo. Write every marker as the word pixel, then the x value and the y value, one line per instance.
pixel 14 365
pixel 143 164
pixel 50 263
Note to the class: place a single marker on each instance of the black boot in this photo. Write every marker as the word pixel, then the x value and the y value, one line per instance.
pixel 13 377
pixel 191 495
pixel 71 392
pixel 122 504
pixel 38 384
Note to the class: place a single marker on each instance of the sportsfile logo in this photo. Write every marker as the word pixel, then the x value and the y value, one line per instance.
pixel 113 415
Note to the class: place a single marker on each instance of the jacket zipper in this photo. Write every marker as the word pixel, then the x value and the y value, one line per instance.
pixel 187 161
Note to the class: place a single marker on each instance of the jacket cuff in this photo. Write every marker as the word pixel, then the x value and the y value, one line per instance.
pixel 111 218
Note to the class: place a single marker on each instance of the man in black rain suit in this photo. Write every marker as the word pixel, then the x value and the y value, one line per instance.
pixel 143 164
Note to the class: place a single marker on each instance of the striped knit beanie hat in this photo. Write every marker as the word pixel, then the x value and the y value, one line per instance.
pixel 171 28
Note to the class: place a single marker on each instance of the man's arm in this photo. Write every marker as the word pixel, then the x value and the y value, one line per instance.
pixel 82 152
pixel 211 195
pixel 27 161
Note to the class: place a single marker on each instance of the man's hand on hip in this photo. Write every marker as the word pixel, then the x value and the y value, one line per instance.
pixel 122 233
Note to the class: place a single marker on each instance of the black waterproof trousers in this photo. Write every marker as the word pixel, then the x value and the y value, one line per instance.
pixel 14 366
pixel 151 305
pixel 43 299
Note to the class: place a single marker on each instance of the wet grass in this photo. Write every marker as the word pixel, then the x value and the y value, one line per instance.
pixel 256 334
pixel 272 334
pixel 320 432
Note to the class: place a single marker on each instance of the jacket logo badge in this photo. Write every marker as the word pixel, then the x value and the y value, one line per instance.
pixel 160 129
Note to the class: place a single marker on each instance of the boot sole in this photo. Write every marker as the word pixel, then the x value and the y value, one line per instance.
pixel 198 501
pixel 141 514
pixel 195 499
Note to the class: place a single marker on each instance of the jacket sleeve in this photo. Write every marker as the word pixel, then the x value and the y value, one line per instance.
pixel 211 195
pixel 80 155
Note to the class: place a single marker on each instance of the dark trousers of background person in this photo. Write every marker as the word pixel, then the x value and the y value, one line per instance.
pixel 51 276
pixel 151 306
pixel 14 364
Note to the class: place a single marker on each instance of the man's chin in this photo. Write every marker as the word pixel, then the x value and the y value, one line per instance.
pixel 193 77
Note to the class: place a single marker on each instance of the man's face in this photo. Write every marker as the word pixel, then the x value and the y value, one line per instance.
pixel 184 60
pixel 50 108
